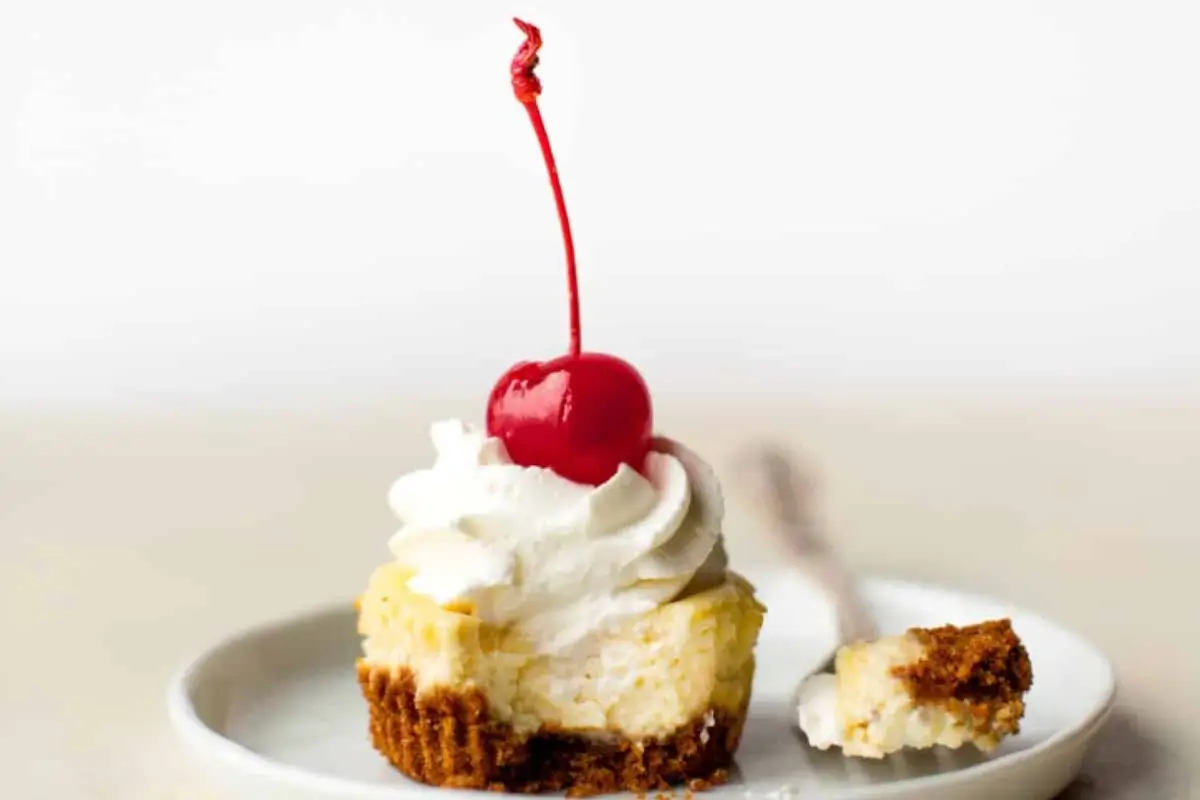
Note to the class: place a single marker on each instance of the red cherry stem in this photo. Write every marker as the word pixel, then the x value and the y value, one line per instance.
pixel 527 87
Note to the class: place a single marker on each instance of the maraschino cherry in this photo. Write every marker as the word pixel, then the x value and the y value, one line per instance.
pixel 581 414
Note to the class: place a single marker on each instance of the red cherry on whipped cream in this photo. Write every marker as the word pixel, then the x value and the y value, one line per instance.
pixel 582 414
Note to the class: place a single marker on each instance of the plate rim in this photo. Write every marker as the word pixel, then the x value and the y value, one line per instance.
pixel 195 733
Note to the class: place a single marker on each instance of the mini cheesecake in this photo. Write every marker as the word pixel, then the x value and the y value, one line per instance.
pixel 658 700
pixel 945 686
pixel 559 614
pixel 536 634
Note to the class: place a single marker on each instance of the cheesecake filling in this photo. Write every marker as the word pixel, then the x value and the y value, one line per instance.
pixel 869 712
pixel 645 677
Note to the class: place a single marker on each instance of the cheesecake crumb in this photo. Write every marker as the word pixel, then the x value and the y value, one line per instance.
pixel 718 778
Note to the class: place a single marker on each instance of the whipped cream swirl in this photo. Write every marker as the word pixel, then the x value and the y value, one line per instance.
pixel 559 560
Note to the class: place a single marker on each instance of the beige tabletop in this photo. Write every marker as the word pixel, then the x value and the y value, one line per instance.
pixel 128 541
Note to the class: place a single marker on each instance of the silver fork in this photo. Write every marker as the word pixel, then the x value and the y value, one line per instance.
pixel 784 496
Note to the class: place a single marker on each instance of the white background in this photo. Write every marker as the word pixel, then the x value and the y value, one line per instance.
pixel 251 202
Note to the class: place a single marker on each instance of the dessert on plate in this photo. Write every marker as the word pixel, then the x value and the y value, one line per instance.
pixel 558 613
pixel 945 686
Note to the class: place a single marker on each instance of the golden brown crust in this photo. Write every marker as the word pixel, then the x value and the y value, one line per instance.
pixel 447 737
pixel 982 670
pixel 979 662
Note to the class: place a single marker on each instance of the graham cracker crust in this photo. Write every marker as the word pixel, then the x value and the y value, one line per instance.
pixel 981 669
pixel 447 737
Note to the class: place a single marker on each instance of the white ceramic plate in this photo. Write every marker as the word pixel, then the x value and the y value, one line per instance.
pixel 275 712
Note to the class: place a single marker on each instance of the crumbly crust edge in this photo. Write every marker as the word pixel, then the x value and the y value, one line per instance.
pixel 979 673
